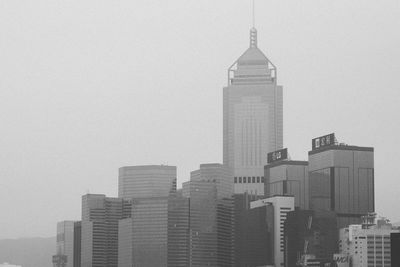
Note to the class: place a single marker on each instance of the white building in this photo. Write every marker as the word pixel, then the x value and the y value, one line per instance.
pixel 252 118
pixel 280 206
pixel 367 246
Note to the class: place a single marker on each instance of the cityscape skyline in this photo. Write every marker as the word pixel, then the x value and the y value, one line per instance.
pixel 290 136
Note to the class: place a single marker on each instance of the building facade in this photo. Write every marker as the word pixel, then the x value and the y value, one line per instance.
pixel 146 181
pixel 100 216
pixel 68 244
pixel 211 217
pixel 277 208
pixel 367 246
pixel 288 177
pixel 252 118
pixel 341 180
pixel 395 248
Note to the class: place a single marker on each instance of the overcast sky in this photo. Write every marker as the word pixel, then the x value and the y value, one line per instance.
pixel 89 86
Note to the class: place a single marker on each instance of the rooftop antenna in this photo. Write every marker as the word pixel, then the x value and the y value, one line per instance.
pixel 254 13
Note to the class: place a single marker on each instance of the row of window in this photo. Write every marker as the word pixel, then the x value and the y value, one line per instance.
pixel 248 180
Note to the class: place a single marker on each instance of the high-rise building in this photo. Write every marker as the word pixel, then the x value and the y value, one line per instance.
pixel 68 244
pixel 287 177
pixel 277 208
pixel 100 216
pixel 252 236
pixel 252 118
pixel 143 238
pixel 341 179
pixel 146 181
pixel 310 232
pixel 178 230
pixel 211 217
pixel 367 246
pixel 395 248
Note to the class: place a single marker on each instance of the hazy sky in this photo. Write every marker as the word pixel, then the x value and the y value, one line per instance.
pixel 89 86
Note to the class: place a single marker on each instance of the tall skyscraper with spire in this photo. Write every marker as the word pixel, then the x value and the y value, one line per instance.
pixel 252 118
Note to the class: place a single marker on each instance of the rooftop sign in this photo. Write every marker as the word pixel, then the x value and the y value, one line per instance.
pixel 277 155
pixel 326 140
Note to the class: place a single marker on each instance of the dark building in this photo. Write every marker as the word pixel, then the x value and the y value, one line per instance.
pixel 310 232
pixel 100 216
pixel 252 239
pixel 211 216
pixel 178 230
pixel 395 249
pixel 77 243
pixel 287 177
pixel 341 179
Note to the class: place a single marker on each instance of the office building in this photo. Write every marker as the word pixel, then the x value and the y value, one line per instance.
pixel 310 232
pixel 68 244
pixel 277 208
pixel 395 248
pixel 211 217
pixel 367 246
pixel 287 177
pixel 341 179
pixel 100 216
pixel 178 230
pixel 143 237
pixel 252 118
pixel 146 181
pixel 252 236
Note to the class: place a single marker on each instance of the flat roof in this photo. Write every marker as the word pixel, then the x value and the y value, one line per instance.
pixel 286 162
pixel 340 147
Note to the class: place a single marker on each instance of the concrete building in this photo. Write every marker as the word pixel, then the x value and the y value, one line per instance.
pixel 252 118
pixel 68 247
pixel 100 216
pixel 146 181
pixel 341 179
pixel 287 177
pixel 277 208
pixel 310 232
pixel 211 217
pixel 367 246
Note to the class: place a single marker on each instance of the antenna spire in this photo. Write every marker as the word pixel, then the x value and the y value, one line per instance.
pixel 254 13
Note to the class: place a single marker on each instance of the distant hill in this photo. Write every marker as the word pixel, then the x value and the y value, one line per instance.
pixel 28 252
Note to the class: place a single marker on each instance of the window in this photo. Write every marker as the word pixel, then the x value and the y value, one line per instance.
pixel 249 179
pixel 262 179
pixel 258 179
pixel 254 179
pixel 235 181
pixel 240 180
pixel 244 180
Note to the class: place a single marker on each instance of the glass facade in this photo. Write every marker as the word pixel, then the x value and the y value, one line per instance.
pixel 342 180
pixel 288 178
pixel 146 181
pixel 178 231
pixel 211 217
pixel 100 216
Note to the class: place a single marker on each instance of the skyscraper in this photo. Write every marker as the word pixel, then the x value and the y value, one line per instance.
pixel 100 216
pixel 143 238
pixel 341 179
pixel 146 181
pixel 252 118
pixel 211 217
pixel 68 244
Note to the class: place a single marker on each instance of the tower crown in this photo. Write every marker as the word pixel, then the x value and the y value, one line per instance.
pixel 253 37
